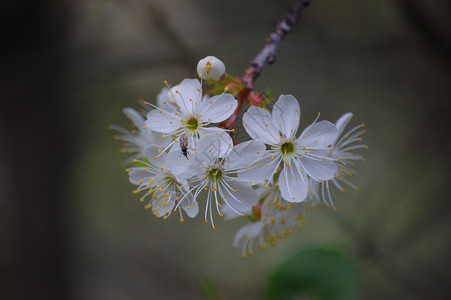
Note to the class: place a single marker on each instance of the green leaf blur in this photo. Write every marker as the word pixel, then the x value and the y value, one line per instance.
pixel 316 273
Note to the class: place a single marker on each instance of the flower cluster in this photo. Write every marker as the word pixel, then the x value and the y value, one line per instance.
pixel 183 158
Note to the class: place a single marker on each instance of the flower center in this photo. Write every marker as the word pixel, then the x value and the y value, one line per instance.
pixel 287 148
pixel 192 124
pixel 170 180
pixel 215 174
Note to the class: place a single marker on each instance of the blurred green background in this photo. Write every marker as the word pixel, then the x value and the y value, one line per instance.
pixel 70 227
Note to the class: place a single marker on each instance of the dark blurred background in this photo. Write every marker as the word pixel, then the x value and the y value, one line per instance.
pixel 70 228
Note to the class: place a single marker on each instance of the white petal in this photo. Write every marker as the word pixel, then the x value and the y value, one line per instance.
pixel 240 236
pixel 238 195
pixel 177 162
pixel 155 157
pixel 217 108
pixel 189 93
pixel 153 137
pixel 230 214
pixel 262 170
pixel 138 175
pixel 192 211
pixel 248 232
pixel 286 114
pixel 244 154
pixel 162 97
pixel 313 197
pixel 211 147
pixel 262 191
pixel 259 125
pixel 134 116
pixel 342 122
pixel 254 230
pixel 164 102
pixel 189 205
pixel 293 184
pixel 318 169
pixel 211 130
pixel 161 121
pixel 318 135
pixel 162 210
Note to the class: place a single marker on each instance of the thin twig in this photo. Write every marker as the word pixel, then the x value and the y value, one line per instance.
pixel 268 54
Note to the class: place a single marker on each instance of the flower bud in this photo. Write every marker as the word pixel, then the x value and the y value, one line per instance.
pixel 210 68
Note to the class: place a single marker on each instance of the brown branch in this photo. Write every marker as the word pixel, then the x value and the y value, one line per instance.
pixel 268 54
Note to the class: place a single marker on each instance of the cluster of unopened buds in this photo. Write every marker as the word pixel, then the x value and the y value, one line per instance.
pixel 187 155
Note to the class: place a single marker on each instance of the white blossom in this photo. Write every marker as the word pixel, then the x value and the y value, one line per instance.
pixel 275 219
pixel 137 139
pixel 210 67
pixel 271 179
pixel 192 113
pixel 299 157
pixel 342 153
pixel 212 168
pixel 163 190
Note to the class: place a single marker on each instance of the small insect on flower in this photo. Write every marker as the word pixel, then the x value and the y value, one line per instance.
pixel 184 145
